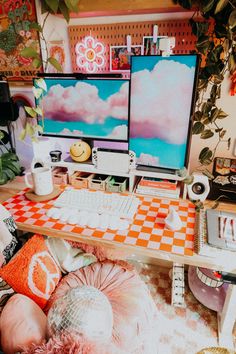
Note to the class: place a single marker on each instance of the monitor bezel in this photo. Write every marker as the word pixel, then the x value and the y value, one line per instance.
pixel 87 137
pixel 168 169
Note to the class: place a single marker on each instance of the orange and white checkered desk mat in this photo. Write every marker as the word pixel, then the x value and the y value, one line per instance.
pixel 147 229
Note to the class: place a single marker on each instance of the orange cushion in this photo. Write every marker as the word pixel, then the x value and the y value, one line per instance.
pixel 33 271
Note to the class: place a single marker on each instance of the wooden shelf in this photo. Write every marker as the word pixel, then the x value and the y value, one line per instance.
pixel 95 8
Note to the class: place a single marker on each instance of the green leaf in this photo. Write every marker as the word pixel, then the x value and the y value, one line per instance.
pixel 39 128
pixel 9 173
pixel 221 5
pixel 207 173
pixel 1 135
pixel 41 84
pixel 37 92
pixel 222 114
pixel 53 5
pixel 72 5
pixel 232 63
pixel 206 134
pixel 14 166
pixel 188 179
pixel 222 134
pixel 217 79
pixel 3 178
pixel 228 143
pixel 205 153
pixel 9 156
pixel 38 110
pixel 198 127
pixel 22 135
pixel 35 26
pixel 30 111
pixel 29 129
pixel 232 19
pixel 208 6
pixel 55 63
pixel 37 63
pixel 29 52
pixel 203 44
pixel 182 172
pixel 198 116
pixel 64 11
pixel 214 114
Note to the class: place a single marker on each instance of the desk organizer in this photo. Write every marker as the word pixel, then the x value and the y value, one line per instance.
pixel 98 182
pixel 60 175
pixel 81 179
pixel 116 184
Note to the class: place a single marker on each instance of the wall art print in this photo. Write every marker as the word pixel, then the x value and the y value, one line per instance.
pixel 16 34
pixel 151 48
pixel 57 51
pixel 120 57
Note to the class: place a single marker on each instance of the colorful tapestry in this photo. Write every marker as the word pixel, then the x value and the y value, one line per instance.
pixel 16 18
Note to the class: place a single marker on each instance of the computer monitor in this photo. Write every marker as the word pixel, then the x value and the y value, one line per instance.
pixel 161 104
pixel 94 109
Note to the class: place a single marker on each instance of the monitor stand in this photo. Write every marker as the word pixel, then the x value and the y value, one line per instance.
pixel 156 169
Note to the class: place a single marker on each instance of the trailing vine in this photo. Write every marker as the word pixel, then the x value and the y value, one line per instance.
pixel 214 25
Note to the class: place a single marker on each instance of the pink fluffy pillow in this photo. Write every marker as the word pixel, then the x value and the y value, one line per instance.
pixel 134 311
pixel 22 323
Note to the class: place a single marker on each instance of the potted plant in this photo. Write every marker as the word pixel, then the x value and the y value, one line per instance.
pixel 9 163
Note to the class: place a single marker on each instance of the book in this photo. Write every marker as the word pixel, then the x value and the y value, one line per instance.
pixel 201 245
pixel 151 189
pixel 158 183
pixel 158 192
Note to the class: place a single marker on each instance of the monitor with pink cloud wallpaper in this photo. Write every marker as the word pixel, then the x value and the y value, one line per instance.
pixel 162 95
pixel 95 109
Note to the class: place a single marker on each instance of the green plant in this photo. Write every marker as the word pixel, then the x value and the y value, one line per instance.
pixel 32 128
pixel 215 30
pixel 63 7
pixel 9 163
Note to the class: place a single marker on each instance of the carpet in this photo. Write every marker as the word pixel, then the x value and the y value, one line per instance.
pixel 182 330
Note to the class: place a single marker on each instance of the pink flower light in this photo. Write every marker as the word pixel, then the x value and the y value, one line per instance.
pixel 90 54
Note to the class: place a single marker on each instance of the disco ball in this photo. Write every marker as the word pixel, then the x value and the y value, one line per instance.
pixel 83 311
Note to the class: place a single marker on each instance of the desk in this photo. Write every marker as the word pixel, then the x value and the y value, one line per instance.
pixel 122 250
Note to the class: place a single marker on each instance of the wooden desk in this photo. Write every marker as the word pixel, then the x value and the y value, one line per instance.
pixel 123 251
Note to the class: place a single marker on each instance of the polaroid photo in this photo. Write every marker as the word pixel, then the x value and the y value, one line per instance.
pixel 151 48
pixel 120 57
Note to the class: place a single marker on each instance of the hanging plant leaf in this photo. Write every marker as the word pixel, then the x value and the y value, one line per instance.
pixel 222 134
pixel 198 127
pixel 35 26
pixel 37 92
pixel 203 44
pixel 64 11
pixel 22 135
pixel 53 5
pixel 206 134
pixel 221 5
pixel 55 63
pixel 205 154
pixel 232 19
pixel 38 110
pixel 72 5
pixel 37 63
pixel 228 143
pixel 214 114
pixel 222 114
pixel 29 52
pixel 217 79
pixel 207 173
pixel 30 111
pixel 232 63
pixel 189 179
pixel 198 116
pixel 41 84
pixel 207 6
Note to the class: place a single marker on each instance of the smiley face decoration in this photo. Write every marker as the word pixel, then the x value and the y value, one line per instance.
pixel 80 151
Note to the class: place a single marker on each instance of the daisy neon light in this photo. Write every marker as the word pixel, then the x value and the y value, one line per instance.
pixel 90 54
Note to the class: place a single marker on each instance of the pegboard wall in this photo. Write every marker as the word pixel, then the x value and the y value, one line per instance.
pixel 115 35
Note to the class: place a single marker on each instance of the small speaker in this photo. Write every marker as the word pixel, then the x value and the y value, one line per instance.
pixel 199 188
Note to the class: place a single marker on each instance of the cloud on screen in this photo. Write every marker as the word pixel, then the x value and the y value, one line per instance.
pixel 82 103
pixel 161 101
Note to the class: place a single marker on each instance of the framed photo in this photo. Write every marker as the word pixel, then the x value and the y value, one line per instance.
pixel 151 48
pixel 120 57
pixel 57 51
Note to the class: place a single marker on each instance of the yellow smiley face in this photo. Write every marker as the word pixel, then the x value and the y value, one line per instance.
pixel 80 151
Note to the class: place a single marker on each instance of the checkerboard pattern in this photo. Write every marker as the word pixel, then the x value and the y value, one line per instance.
pixel 146 230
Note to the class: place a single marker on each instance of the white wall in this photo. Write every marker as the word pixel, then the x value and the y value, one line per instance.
pixel 56 28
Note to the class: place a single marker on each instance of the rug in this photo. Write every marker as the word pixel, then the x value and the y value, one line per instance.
pixel 183 330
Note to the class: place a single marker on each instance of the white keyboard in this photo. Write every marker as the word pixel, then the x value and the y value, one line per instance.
pixel 98 202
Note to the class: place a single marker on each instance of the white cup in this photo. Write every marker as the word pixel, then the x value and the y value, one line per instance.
pixel 42 180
